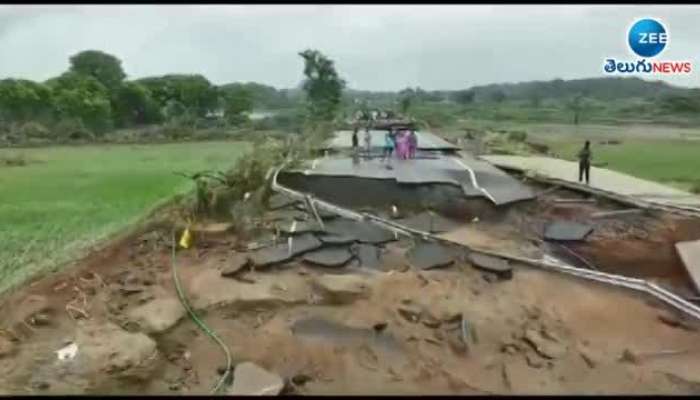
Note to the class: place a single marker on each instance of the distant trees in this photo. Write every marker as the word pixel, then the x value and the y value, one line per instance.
pixel 464 96
pixel 22 100
pixel 237 103
pixel 322 85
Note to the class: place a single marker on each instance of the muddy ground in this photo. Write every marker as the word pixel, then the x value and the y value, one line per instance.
pixel 388 328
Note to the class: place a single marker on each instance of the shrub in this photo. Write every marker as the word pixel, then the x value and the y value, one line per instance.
pixel 517 136
pixel 33 130
pixel 73 129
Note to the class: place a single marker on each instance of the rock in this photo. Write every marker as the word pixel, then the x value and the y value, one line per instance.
pixel 131 289
pixel 252 380
pixel 300 379
pixel 427 255
pixel 329 257
pixel 410 312
pixel 590 359
pixel 429 320
pixel 334 239
pixel 114 351
pixel 490 264
pixel 490 278
pixel 368 255
pixel 379 326
pixel 510 348
pixel 629 357
pixel 534 361
pixel 235 264
pixel 544 347
pixel 207 289
pixel 342 288
pixel 281 252
pixel 158 315
pixel 41 385
pixel 40 319
pixel 675 321
pixel 7 348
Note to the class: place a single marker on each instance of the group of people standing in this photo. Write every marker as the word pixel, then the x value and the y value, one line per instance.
pixel 404 142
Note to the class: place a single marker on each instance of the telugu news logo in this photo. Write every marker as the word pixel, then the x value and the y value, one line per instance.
pixel 647 38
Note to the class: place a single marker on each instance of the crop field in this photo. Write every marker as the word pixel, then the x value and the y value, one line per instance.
pixel 66 198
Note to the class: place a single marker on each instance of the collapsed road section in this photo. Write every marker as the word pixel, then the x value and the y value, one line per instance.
pixel 333 292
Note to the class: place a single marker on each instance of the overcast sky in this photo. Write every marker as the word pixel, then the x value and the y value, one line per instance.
pixel 374 47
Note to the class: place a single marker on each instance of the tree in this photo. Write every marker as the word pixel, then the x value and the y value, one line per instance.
pixel 464 96
pixel 576 106
pixel 194 92
pixel 23 100
pixel 322 85
pixel 498 96
pixel 237 102
pixel 82 97
pixel 106 68
pixel 132 104
pixel 405 104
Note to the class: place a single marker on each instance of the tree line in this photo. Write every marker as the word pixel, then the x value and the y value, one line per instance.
pixel 94 96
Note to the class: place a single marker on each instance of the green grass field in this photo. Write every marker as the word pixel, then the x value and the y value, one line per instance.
pixel 67 198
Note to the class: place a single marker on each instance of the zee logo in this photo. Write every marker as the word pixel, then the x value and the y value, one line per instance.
pixel 647 38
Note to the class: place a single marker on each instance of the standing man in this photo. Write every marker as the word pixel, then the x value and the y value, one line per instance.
pixel 368 140
pixel 584 162
pixel 355 140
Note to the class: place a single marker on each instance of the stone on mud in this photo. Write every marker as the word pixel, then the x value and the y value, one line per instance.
pixel 329 257
pixel 251 380
pixel 208 289
pixel 331 238
pixel 111 350
pixel 280 253
pixel 235 264
pixel 368 255
pixel 363 232
pixel 158 315
pixel 544 347
pixel 342 288
pixel 495 265
pixel 427 255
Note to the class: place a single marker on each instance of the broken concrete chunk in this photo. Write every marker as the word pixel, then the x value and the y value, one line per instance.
pixel 363 232
pixel 566 231
pixel 429 222
pixel 235 264
pixel 329 257
pixel 369 256
pixel 297 227
pixel 282 252
pixel 427 255
pixel 334 239
pixel 250 379
pixel 158 315
pixel 495 265
pixel 342 288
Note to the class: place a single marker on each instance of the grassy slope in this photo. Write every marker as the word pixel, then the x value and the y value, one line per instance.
pixel 70 197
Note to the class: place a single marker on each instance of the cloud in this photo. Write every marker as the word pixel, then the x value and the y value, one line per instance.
pixel 377 47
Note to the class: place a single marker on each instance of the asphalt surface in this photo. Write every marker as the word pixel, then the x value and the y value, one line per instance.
pixel 426 140
pixel 601 178
pixel 474 177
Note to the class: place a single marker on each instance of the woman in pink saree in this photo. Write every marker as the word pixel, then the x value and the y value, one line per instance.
pixel 402 145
